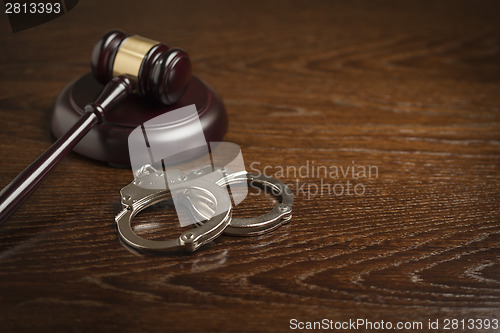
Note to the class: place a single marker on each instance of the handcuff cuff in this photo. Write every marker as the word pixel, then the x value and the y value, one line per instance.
pixel 211 188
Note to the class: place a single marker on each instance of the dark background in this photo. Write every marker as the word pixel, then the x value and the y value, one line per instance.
pixel 411 87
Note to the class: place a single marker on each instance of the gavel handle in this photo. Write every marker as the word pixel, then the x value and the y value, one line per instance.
pixel 18 190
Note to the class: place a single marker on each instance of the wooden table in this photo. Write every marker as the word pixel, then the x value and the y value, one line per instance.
pixel 409 90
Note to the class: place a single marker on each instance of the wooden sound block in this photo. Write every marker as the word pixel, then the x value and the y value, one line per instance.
pixel 108 141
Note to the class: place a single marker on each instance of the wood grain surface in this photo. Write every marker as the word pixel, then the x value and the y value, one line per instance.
pixel 410 88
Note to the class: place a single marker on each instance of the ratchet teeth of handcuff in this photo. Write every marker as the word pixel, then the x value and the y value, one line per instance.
pixel 149 187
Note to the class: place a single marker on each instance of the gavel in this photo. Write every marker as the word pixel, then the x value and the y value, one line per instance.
pixel 126 64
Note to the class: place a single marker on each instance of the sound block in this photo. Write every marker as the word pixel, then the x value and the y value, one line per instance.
pixel 108 141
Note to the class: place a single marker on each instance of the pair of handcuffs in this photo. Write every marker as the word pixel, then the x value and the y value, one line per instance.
pixel 207 192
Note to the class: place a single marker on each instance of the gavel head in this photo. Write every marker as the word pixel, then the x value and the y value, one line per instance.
pixel 160 72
